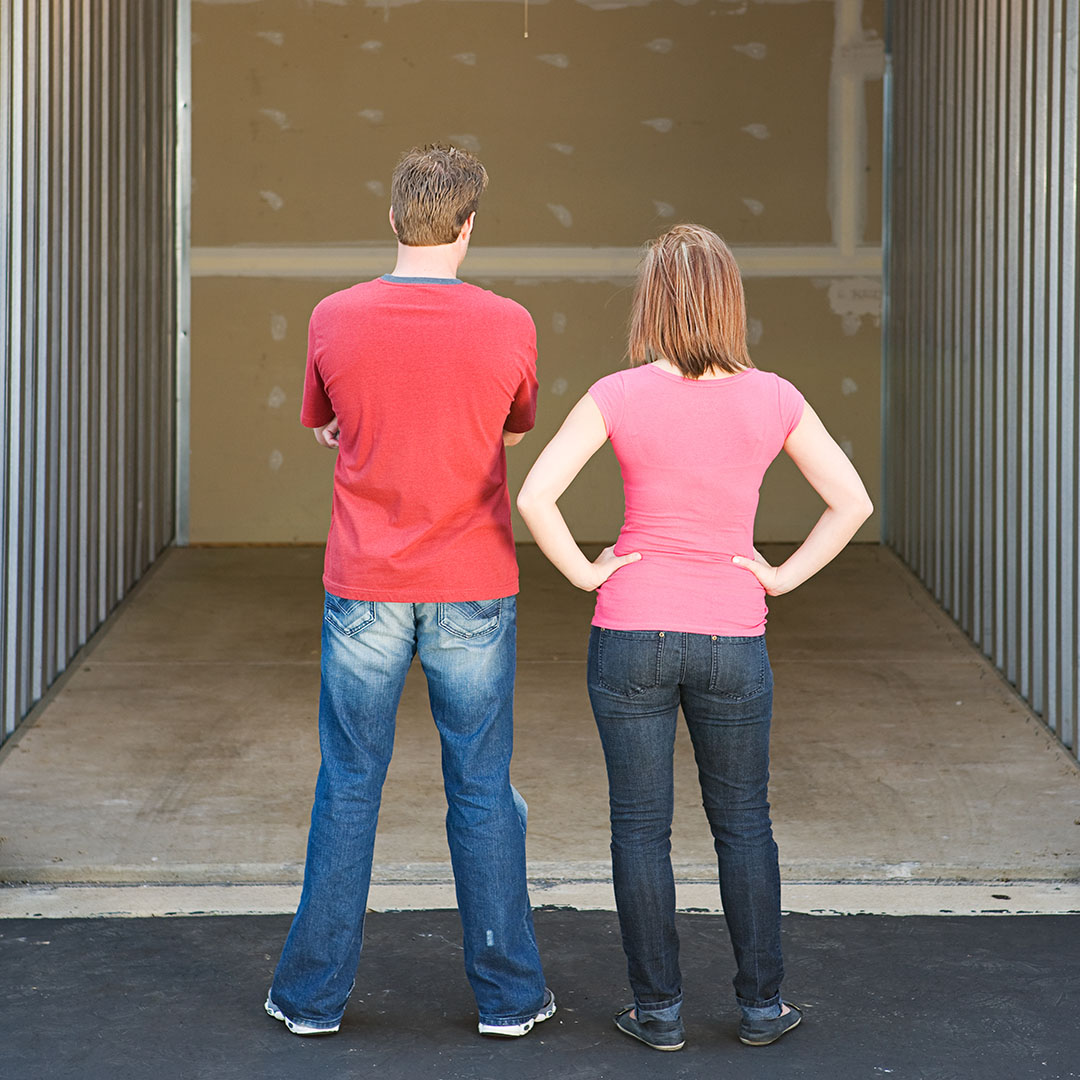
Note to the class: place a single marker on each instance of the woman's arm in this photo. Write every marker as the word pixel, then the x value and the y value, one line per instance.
pixel 582 434
pixel 834 478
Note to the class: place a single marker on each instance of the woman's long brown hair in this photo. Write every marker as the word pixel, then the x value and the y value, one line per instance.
pixel 689 307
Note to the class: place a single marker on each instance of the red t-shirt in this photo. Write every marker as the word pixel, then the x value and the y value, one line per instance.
pixel 423 374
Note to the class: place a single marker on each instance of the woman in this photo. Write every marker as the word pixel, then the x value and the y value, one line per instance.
pixel 680 612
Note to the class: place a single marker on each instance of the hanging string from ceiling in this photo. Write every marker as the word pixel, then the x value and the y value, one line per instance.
pixel 526 18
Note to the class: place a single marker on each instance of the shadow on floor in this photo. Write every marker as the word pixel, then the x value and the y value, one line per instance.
pixel 181 999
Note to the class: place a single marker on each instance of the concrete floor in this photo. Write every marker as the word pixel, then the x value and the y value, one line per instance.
pixel 183 750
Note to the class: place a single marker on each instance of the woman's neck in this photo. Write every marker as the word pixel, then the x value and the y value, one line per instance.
pixel 712 373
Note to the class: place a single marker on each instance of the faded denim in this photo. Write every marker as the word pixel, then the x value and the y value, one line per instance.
pixel 468 653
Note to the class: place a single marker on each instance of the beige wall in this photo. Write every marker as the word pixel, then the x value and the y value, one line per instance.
pixel 759 118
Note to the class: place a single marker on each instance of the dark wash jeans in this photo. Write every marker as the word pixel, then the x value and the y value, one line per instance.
pixel 637 681
pixel 468 652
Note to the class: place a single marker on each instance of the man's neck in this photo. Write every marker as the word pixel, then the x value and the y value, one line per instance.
pixel 433 261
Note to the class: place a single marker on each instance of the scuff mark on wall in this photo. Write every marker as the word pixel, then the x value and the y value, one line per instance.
pixel 272 199
pixel 561 147
pixel 660 45
pixel 754 49
pixel 277 398
pixel 466 58
pixel 562 215
pixel 559 60
pixel 372 116
pixel 663 124
pixel 279 326
pixel 371 46
pixel 848 386
pixel 754 331
pixel 558 322
pixel 755 206
pixel 756 131
pixel 664 209
pixel 559 386
pixel 275 37
pixel 277 459
pixel 277 117
pixel 376 187
pixel 853 299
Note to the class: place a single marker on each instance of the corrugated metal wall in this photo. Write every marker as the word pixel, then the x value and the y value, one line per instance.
pixel 981 394
pixel 87 321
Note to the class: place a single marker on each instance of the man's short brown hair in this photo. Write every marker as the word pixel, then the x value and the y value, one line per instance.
pixel 433 192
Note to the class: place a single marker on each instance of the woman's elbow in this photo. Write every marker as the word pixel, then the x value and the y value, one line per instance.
pixel 853 506
pixel 525 502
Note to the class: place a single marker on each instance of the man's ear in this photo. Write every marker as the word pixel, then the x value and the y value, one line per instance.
pixel 392 225
pixel 467 228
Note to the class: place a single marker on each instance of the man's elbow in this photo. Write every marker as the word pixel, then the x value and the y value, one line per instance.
pixel 512 438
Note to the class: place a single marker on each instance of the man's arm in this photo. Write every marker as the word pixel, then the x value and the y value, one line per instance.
pixel 327 435
pixel 512 438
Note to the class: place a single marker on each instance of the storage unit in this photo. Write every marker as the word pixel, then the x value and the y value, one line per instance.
pixel 981 398
pixel 88 316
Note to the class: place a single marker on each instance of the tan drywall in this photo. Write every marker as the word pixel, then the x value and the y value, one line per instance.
pixel 314 120
pixel 601 128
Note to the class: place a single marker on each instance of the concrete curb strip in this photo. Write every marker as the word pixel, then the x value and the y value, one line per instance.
pixel 813 898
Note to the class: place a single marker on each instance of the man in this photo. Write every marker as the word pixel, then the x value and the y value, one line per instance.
pixel 418 380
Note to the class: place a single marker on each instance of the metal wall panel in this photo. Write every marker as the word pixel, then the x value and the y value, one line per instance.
pixel 981 329
pixel 88 303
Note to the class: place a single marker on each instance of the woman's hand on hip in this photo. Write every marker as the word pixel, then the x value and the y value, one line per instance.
pixel 605 564
pixel 769 576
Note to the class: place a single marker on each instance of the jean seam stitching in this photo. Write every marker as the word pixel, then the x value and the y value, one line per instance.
pixel 353 629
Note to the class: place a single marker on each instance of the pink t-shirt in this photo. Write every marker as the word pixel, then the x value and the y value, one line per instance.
pixel 693 453
pixel 423 375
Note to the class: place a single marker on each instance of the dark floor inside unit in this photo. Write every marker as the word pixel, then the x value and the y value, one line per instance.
pixel 181 999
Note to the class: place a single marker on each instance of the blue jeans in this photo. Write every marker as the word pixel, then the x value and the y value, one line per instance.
pixel 637 681
pixel 468 654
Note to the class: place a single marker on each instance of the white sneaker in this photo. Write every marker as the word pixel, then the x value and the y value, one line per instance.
pixel 513 1031
pixel 296 1026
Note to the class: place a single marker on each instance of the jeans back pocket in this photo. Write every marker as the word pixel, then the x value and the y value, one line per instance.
pixel 470 618
pixel 740 667
pixel 348 617
pixel 629 662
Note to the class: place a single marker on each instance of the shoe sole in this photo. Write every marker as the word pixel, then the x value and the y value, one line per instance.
pixel 651 1046
pixel 517 1030
pixel 296 1029
pixel 769 1042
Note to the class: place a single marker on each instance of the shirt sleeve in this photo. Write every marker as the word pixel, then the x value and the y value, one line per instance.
pixel 317 409
pixel 522 414
pixel 791 404
pixel 608 395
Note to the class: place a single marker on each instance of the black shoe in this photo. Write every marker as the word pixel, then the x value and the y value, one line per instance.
pixel 659 1034
pixel 763 1032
